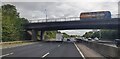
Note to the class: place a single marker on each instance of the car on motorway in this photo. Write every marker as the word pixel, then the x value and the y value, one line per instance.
pixel 68 39
pixel 89 39
pixel 96 39
pixel 78 40
pixel 117 42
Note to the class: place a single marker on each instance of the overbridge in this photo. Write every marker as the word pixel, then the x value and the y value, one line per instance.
pixel 113 23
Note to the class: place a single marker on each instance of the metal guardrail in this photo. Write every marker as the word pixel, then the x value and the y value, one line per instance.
pixel 105 50
pixel 64 19
pixel 55 19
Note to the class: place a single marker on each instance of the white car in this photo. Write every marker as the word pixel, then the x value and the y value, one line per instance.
pixel 96 39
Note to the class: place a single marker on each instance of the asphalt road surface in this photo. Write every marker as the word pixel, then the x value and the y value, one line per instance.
pixel 43 49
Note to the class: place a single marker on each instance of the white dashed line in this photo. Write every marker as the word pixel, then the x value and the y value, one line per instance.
pixel 45 55
pixel 6 54
pixel 40 45
pixel 58 45
pixel 79 51
pixel 11 53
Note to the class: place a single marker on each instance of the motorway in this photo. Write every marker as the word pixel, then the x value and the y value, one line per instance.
pixel 43 49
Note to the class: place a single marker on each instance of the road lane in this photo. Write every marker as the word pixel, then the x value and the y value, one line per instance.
pixel 44 49
pixel 67 49
pixel 35 50
pixel 18 48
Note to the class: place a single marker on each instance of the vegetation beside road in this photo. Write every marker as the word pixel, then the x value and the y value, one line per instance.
pixel 14 44
pixel 103 34
pixel 52 35
pixel 12 28
pixel 0 24
pixel 65 35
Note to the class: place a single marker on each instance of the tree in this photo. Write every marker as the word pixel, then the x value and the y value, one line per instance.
pixel 65 35
pixel 50 34
pixel 88 34
pixel 109 34
pixel 105 34
pixel 0 24
pixel 96 34
pixel 11 23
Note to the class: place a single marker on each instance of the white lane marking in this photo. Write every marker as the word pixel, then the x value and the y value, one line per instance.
pixel 79 51
pixel 11 53
pixel 7 54
pixel 58 45
pixel 45 55
pixel 40 45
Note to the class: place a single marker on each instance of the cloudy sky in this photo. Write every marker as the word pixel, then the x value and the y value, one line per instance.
pixel 35 9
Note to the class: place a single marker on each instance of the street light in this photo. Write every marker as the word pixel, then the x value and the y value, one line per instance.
pixel 46 14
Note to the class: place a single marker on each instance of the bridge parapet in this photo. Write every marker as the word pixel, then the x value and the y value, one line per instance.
pixel 54 20
pixel 64 19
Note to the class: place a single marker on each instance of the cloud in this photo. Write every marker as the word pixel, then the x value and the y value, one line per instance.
pixel 36 10
pixel 59 0
pixel 76 32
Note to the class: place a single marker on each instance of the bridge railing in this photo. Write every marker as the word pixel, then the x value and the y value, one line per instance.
pixel 64 19
pixel 55 19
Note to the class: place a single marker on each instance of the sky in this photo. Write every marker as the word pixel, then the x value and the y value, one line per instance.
pixel 35 9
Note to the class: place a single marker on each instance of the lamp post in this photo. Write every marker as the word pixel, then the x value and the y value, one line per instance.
pixel 46 14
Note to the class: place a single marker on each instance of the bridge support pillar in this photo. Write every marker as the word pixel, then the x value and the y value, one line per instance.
pixel 34 35
pixel 119 33
pixel 41 35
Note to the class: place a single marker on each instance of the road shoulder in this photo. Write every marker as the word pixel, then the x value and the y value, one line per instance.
pixel 87 52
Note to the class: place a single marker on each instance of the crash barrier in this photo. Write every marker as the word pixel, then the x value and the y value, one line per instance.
pixel 106 51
